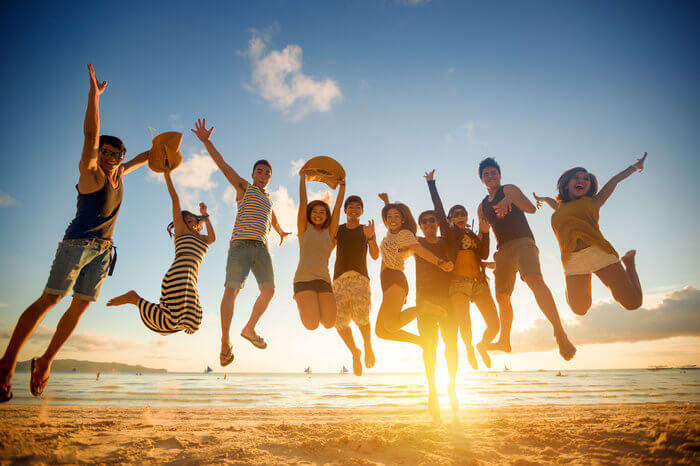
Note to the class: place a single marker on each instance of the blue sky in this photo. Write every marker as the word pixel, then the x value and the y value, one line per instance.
pixel 391 89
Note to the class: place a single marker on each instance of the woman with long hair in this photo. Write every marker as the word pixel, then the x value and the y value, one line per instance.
pixel 399 243
pixel 179 307
pixel 316 229
pixel 584 249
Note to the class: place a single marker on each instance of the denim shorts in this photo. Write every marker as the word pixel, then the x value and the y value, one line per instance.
pixel 245 255
pixel 81 264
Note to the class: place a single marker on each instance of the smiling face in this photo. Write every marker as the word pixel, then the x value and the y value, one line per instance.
pixel 491 177
pixel 261 175
pixel 353 211
pixel 318 215
pixel 109 157
pixel 428 225
pixel 393 220
pixel 579 184
pixel 194 224
pixel 459 218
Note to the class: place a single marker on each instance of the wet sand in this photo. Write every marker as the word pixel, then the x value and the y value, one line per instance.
pixel 595 434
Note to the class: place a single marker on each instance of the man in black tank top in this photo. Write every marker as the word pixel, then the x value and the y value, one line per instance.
pixel 351 281
pixel 504 210
pixel 84 256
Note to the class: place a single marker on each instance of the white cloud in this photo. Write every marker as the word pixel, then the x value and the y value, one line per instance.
pixel 296 166
pixel 6 200
pixel 285 208
pixel 278 78
pixel 466 133
pixel 193 176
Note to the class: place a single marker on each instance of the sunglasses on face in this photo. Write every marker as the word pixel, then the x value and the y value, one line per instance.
pixel 427 220
pixel 113 154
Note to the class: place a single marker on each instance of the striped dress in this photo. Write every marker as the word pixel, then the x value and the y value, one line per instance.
pixel 254 215
pixel 179 307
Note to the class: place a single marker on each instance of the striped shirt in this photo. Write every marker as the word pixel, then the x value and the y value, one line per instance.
pixel 254 215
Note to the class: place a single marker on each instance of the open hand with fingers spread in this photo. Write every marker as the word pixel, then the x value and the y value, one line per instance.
pixel 639 164
pixel 96 86
pixel 384 197
pixel 368 229
pixel 429 176
pixel 203 209
pixel 539 199
pixel 283 235
pixel 503 207
pixel 200 130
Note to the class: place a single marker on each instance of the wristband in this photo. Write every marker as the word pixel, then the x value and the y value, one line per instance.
pixel 205 216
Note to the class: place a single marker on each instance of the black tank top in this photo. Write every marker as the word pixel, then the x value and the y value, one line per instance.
pixel 352 251
pixel 513 226
pixel 96 213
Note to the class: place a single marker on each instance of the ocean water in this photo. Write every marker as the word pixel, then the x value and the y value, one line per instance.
pixel 370 390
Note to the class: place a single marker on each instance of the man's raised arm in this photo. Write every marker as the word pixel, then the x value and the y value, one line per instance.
pixel 204 135
pixel 91 127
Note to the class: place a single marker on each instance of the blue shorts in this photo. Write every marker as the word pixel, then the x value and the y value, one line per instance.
pixel 81 264
pixel 245 255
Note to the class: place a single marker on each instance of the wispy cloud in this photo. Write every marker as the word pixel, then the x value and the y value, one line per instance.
pixel 278 78
pixel 6 200
pixel 465 134
pixel 678 315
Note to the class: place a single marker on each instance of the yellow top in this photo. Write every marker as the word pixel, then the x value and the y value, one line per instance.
pixel 325 170
pixel 578 220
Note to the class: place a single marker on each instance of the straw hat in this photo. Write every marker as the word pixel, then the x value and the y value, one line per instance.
pixel 165 152
pixel 324 169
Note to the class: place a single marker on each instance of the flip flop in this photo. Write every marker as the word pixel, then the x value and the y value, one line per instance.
pixel 257 341
pixel 36 387
pixel 226 358
pixel 5 393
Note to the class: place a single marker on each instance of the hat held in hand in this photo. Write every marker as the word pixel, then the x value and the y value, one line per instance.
pixel 165 153
pixel 324 169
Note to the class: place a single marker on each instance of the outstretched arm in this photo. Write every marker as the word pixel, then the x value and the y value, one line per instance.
pixel 301 215
pixel 513 195
pixel 211 235
pixel 424 253
pixel 335 217
pixel 203 134
pixel 610 186
pixel 136 162
pixel 545 200
pixel 371 237
pixel 276 225
pixel 178 222
pixel 484 240
pixel 437 204
pixel 91 126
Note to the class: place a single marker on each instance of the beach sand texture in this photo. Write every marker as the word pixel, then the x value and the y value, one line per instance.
pixel 597 434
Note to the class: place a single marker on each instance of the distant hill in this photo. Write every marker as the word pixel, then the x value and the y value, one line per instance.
pixel 67 365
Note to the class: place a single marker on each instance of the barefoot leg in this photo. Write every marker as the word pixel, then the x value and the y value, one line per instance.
pixel 130 297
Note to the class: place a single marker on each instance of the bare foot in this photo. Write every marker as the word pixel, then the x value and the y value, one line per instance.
pixel 566 348
pixel 481 348
pixel 499 346
pixel 471 356
pixel 369 357
pixel 434 407
pixel 454 402
pixel 130 297
pixel 357 362
pixel 628 258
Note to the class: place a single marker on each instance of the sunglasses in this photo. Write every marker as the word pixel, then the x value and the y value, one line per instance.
pixel 113 154
pixel 428 220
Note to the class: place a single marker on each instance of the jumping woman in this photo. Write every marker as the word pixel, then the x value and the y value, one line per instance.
pixel 179 307
pixel 467 250
pixel 400 243
pixel 312 282
pixel 584 249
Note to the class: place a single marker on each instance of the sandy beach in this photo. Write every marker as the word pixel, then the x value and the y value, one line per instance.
pixel 660 433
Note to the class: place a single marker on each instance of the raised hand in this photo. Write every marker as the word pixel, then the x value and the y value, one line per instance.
pixel 203 209
pixel 200 130
pixel 446 266
pixel 384 197
pixel 283 235
pixel 429 176
pixel 368 229
pixel 539 199
pixel 95 86
pixel 639 164
pixel 503 207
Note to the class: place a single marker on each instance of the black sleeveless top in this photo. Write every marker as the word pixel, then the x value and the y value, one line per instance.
pixel 96 213
pixel 431 281
pixel 352 251
pixel 513 226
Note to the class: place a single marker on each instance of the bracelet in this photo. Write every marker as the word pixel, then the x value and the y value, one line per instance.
pixel 205 216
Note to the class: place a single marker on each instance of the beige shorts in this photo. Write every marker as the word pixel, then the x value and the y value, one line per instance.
pixel 470 287
pixel 519 255
pixel 589 260
pixel 353 299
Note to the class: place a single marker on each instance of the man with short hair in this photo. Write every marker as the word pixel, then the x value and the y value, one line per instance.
pixel 432 289
pixel 248 247
pixel 351 281
pixel 503 209
pixel 85 255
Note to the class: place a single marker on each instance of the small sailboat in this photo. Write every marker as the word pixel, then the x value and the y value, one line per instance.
pixel 307 371
pixel 344 370
pixel 208 370
pixel 505 368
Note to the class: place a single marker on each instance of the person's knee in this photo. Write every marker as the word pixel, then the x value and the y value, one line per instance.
pixel 310 323
pixel 267 294
pixel 503 299
pixel 533 280
pixel 49 300
pixel 579 304
pixel 631 302
pixel 381 331
pixel 328 322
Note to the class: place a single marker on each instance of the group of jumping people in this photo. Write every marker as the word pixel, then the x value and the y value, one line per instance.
pixel 450 260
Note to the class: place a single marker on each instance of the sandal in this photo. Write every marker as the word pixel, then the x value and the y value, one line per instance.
pixel 5 393
pixel 226 358
pixel 36 387
pixel 257 341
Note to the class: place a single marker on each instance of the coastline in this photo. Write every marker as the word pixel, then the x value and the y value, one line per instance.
pixel 628 433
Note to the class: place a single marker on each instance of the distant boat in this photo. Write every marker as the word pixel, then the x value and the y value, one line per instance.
pixel 689 366
pixel 656 368
pixel 208 370
pixel 505 368
pixel 344 370
pixel 75 369
pixel 307 370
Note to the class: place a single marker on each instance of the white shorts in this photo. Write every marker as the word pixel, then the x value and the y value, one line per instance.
pixel 352 298
pixel 589 260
